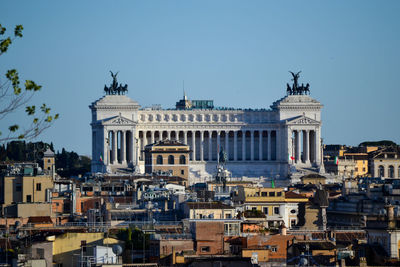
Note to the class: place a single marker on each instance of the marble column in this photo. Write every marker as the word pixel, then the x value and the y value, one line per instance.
pixel 152 133
pixel 306 146
pixel 133 146
pixel 114 147
pixel 106 141
pixel 185 141
pixel 209 145
pixel 269 154
pixel 169 135
pixel 278 146
pixel 252 145
pixel 194 145
pixel 218 143
pixel 235 145
pixel 260 147
pixel 123 147
pixel 243 145
pixel 201 145
pixel 227 143
pixel 318 155
pixel 297 146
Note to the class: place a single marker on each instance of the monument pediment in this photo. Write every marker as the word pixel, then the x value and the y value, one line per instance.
pixel 302 120
pixel 118 120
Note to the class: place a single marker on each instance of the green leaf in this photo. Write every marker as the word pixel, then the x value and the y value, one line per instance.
pixel 18 31
pixel 17 90
pixel 4 44
pixel 43 107
pixel 56 116
pixel 13 128
pixel 49 119
pixel 21 136
pixel 31 85
pixel 12 75
pixel 30 110
pixel 2 30
pixel 35 120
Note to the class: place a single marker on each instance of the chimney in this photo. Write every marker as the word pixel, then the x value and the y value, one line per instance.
pixel 390 216
pixel 173 256
pixel 283 229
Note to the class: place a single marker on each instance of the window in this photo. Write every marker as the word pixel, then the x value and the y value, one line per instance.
pixel 265 209
pixel 271 194
pixel 48 161
pixel 182 159
pixel 279 194
pixel 40 253
pixel 28 198
pixel 182 172
pixel 97 205
pixel 363 169
pixel 381 171
pixel 170 159
pixel 293 211
pixel 391 171
pixel 228 216
pixel 205 249
pixel 274 249
pixel 276 210
pixel 356 169
pixel 264 194
pixel 253 208
pixel 292 223
pixel 159 160
pixel 18 188
pixel 38 187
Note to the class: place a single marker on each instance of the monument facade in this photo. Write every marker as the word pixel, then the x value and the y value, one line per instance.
pixel 264 142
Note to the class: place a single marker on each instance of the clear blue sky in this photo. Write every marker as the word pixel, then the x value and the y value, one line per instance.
pixel 235 52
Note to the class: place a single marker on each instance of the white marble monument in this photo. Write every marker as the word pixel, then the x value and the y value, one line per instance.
pixel 257 142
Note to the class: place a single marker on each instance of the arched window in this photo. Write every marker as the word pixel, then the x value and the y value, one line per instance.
pixel 391 171
pixel 159 160
pixel 381 171
pixel 170 159
pixel 182 159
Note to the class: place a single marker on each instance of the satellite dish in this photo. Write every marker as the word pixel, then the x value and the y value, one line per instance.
pixel 117 249
pixel 303 262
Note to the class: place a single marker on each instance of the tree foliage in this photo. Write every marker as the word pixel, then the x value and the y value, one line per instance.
pixel 14 96
pixel 71 164
pixel 67 163
pixel 378 143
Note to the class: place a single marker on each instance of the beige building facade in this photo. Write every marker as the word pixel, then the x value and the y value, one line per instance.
pixel 169 157
pixel 25 189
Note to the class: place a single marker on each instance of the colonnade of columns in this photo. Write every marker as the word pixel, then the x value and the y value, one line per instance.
pixel 239 145
pixel 304 147
pixel 119 147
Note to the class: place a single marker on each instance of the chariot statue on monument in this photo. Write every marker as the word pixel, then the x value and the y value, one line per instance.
pixel 115 88
pixel 297 89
